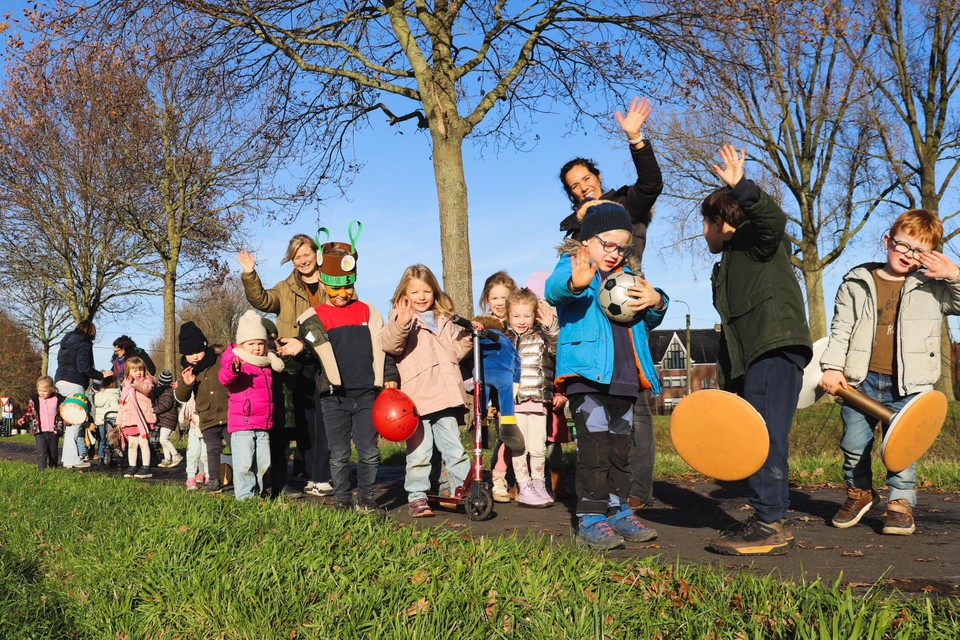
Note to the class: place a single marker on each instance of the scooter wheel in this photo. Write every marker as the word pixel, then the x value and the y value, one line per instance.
pixel 479 504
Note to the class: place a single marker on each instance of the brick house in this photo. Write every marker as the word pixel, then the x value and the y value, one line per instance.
pixel 669 351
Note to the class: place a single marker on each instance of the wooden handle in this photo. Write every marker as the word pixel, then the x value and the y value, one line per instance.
pixel 866 404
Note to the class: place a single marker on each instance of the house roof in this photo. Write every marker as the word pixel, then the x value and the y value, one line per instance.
pixel 704 343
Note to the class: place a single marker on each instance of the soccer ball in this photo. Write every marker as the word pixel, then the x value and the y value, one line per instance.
pixel 614 296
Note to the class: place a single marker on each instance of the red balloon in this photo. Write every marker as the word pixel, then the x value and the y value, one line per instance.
pixel 394 415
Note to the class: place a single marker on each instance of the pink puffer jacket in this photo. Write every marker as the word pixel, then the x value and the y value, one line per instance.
pixel 251 389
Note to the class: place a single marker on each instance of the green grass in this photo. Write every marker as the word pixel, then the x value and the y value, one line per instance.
pixel 88 556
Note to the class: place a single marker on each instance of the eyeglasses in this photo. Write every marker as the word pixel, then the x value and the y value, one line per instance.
pixel 610 247
pixel 902 247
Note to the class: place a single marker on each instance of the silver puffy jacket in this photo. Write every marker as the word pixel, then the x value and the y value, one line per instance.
pixel 538 356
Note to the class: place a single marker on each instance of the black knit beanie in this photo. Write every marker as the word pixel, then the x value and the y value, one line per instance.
pixel 191 339
pixel 598 216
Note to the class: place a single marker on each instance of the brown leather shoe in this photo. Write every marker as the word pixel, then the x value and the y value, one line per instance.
pixel 899 517
pixel 859 501
pixel 636 503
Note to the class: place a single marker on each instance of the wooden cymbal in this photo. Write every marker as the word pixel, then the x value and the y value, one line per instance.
pixel 913 430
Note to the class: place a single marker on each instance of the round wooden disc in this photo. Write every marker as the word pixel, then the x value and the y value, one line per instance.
pixel 73 413
pixel 719 434
pixel 810 390
pixel 912 430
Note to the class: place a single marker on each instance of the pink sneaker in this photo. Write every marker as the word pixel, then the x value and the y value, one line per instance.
pixel 529 497
pixel 540 487
pixel 191 484
pixel 201 478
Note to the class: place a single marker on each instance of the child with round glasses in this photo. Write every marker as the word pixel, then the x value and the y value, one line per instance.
pixel 885 340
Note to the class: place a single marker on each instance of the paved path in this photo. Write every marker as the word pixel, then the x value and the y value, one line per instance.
pixel 689 514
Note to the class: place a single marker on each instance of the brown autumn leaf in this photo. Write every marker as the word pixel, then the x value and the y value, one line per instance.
pixel 507 624
pixel 589 595
pixel 419 577
pixel 346 537
pixel 418 607
pixel 926 483
pixel 183 528
pixel 926 559
pixel 491 607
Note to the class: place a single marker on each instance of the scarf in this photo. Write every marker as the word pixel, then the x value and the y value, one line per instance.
pixel 271 360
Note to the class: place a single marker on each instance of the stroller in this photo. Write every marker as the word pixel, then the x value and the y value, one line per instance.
pixel 113 447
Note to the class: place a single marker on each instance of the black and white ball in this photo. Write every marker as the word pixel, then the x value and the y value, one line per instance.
pixel 614 296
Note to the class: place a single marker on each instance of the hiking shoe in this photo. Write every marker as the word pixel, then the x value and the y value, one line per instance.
pixel 629 526
pixel 899 517
pixel 597 533
pixel 213 487
pixel 191 484
pixel 637 503
pixel 858 502
pixel 540 486
pixel 143 473
pixel 530 498
pixel 131 472
pixel 755 538
pixel 500 493
pixel 419 508
pixel 368 504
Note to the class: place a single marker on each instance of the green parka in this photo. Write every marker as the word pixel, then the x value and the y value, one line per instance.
pixel 755 289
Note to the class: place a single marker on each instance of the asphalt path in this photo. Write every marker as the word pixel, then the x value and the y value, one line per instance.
pixel 687 515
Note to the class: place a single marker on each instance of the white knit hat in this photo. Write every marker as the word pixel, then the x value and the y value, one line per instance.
pixel 250 327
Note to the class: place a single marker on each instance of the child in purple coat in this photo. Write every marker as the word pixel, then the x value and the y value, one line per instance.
pixel 246 370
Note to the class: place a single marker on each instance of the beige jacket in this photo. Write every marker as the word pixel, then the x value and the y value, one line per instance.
pixel 288 299
pixel 428 362
pixel 923 303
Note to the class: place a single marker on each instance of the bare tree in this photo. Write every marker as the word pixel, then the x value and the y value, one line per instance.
pixel 42 313
pixel 776 81
pixel 59 164
pixel 454 69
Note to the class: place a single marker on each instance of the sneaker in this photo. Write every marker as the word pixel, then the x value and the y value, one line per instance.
pixel 143 473
pixel 164 464
pixel 213 487
pixel 131 472
pixel 368 504
pixel 191 484
pixel 858 502
pixel 755 538
pixel 318 489
pixel 597 533
pixel 201 477
pixel 344 505
pixel 540 486
pixel 629 526
pixel 500 493
pixel 291 493
pixel 83 464
pixel 899 518
pixel 529 498
pixel 637 503
pixel 177 459
pixel 419 508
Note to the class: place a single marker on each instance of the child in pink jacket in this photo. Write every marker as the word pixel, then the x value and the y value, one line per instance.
pixel 136 418
pixel 246 370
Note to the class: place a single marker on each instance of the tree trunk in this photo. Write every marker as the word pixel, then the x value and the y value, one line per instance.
pixel 816 309
pixel 945 384
pixel 170 320
pixel 454 230
pixel 44 359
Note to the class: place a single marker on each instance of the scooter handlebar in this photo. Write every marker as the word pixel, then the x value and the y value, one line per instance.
pixel 483 333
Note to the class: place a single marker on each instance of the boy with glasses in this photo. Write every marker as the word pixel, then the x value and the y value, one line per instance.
pixel 602 367
pixel 885 339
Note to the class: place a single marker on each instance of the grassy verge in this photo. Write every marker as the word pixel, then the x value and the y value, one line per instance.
pixel 88 556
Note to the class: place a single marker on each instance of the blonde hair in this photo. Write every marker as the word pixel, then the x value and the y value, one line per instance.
pixel 441 301
pixel 135 363
pixel 500 278
pixel 45 383
pixel 297 242
pixel 521 297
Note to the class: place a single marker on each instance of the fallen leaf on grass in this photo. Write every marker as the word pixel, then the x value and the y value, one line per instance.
pixel 419 577
pixel 926 483
pixel 491 607
pixel 183 528
pixel 456 525
pixel 589 595
pixel 852 554
pixel 346 537
pixel 418 607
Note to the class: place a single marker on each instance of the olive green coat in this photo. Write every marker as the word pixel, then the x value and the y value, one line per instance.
pixel 288 299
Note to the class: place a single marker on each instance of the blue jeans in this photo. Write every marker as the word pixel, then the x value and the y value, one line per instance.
pixel 438 428
pixel 772 385
pixel 343 418
pixel 251 461
pixel 857 440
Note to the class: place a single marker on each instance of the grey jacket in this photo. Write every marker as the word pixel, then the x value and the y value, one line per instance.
pixel 538 355
pixel 923 303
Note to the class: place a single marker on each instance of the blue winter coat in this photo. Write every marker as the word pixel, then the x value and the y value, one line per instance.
pixel 585 346
pixel 75 360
